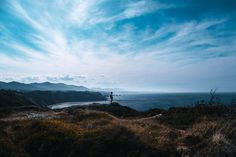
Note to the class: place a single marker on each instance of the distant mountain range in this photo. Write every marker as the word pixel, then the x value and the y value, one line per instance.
pixel 45 86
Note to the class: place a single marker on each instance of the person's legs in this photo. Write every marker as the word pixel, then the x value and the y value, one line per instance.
pixel 111 100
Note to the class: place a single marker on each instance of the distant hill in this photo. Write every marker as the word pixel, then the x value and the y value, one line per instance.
pixel 17 86
pixel 9 98
pixel 46 98
pixel 45 86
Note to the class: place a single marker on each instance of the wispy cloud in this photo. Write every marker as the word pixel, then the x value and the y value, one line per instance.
pixel 193 39
pixel 123 41
pixel 93 12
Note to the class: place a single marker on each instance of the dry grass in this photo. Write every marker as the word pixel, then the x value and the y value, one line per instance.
pixel 219 139
pixel 92 133
pixel 210 138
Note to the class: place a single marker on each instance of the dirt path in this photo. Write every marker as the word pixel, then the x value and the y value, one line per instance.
pixel 33 115
pixel 150 118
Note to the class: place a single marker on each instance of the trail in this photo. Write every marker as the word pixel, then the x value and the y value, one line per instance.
pixel 150 118
pixel 33 115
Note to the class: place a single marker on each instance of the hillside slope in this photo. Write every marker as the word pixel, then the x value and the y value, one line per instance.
pixel 46 98
pixel 88 133
pixel 13 99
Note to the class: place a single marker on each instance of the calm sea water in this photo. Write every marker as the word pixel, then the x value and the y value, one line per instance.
pixel 160 100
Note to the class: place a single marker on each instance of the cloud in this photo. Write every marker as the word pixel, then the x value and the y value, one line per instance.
pixel 30 79
pixel 140 8
pixel 81 11
pixel 91 12
pixel 122 43
pixel 191 40
pixel 45 78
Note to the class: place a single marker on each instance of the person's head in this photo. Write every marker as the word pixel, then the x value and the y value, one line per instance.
pixel 111 92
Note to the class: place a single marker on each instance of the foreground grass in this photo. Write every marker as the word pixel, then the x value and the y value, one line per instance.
pixel 62 138
pixel 196 132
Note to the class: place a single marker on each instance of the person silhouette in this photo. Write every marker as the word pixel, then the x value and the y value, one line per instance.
pixel 111 97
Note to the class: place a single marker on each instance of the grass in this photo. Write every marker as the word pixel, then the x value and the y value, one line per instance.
pixel 198 131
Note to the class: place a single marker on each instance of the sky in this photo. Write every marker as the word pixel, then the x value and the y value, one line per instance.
pixel 145 45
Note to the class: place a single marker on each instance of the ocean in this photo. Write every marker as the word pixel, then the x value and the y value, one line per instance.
pixel 147 101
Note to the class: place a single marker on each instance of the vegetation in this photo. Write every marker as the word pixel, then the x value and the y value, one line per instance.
pixel 11 98
pixel 11 101
pixel 118 110
pixel 184 117
pixel 52 97
pixel 115 130
pixel 62 138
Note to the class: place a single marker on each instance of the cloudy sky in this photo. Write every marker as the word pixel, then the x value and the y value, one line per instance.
pixel 154 45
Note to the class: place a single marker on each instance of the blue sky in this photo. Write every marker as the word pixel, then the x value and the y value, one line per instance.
pixel 151 45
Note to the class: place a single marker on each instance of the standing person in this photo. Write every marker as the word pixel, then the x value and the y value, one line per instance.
pixel 111 97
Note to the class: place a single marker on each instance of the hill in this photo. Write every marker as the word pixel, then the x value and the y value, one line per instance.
pixel 46 98
pixel 112 129
pixel 118 110
pixel 102 131
pixel 13 99
pixel 17 86
pixel 9 98
pixel 45 86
